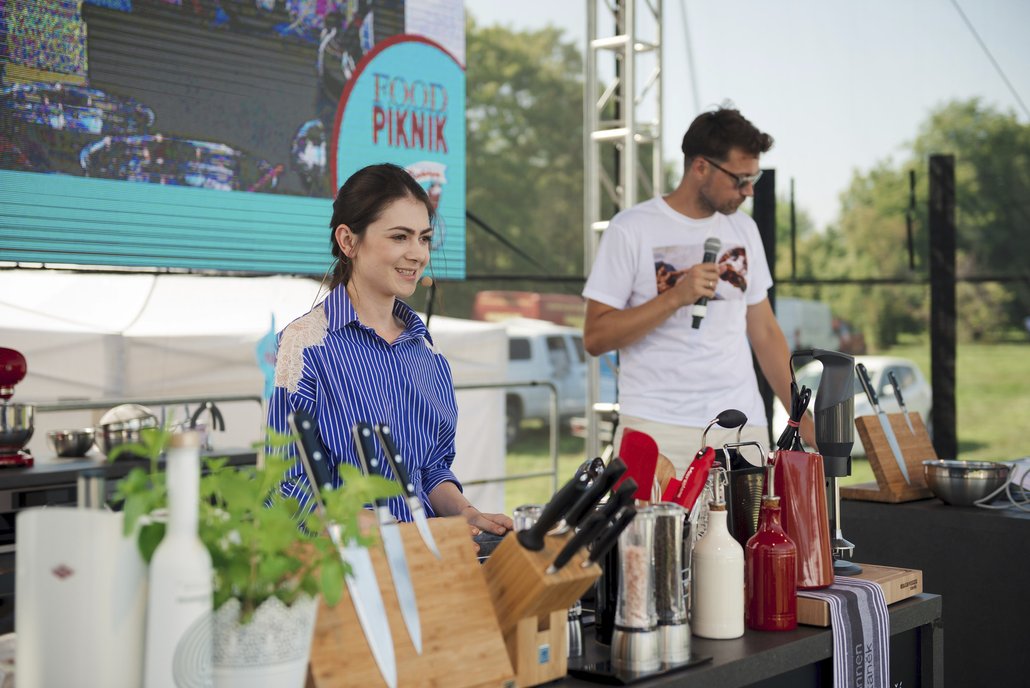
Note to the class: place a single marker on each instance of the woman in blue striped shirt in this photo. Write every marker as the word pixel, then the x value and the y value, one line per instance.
pixel 364 355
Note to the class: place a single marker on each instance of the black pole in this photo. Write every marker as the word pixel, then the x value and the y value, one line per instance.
pixel 942 304
pixel 764 214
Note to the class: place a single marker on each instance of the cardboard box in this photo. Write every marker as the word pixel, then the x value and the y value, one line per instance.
pixel 897 584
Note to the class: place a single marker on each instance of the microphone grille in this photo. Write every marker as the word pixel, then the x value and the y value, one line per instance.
pixel 712 245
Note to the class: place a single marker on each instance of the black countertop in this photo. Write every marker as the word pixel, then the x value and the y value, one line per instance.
pixel 977 559
pixel 790 658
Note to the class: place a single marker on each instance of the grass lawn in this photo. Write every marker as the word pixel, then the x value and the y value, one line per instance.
pixel 993 400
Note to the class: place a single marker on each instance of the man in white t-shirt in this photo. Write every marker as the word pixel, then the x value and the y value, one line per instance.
pixel 648 272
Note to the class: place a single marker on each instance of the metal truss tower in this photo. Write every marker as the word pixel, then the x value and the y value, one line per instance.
pixel 622 127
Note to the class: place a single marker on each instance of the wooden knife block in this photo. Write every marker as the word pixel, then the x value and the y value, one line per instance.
pixel 462 643
pixel 532 606
pixel 890 485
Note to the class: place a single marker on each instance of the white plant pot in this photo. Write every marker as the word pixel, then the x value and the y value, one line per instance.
pixel 272 650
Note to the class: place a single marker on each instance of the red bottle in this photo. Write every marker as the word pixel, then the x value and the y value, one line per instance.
pixel 770 574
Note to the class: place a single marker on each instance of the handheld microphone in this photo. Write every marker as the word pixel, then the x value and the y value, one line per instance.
pixel 700 307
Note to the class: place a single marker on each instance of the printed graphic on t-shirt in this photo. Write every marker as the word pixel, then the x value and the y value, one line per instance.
pixel 672 262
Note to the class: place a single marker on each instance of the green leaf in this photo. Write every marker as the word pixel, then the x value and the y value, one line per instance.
pixel 150 537
pixel 332 581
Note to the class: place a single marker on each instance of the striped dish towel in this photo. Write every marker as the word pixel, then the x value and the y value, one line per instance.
pixel 861 632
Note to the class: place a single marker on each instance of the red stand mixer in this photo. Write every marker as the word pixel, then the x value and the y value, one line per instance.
pixel 15 419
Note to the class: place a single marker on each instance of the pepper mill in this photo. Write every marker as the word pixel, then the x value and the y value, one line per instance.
pixel 670 598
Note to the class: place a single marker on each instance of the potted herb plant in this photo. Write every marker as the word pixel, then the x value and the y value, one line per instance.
pixel 271 559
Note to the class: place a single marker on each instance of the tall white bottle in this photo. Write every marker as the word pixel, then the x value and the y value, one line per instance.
pixel 718 591
pixel 178 642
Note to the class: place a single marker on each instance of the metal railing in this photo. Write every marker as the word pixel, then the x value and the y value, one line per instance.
pixel 553 435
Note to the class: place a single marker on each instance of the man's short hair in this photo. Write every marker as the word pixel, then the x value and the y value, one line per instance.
pixel 712 135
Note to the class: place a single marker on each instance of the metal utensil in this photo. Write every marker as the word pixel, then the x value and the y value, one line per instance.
pixel 962 483
pixel 71 443
pixel 392 543
pixel 901 400
pixel 361 584
pixel 867 385
pixel 400 471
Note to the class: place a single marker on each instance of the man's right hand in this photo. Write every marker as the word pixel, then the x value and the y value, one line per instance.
pixel 697 281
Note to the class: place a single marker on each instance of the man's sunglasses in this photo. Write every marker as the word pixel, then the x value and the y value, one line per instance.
pixel 741 179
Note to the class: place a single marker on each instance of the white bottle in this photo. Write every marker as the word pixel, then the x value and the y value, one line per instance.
pixel 178 642
pixel 718 591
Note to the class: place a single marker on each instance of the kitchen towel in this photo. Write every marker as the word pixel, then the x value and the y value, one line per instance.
pixel 861 632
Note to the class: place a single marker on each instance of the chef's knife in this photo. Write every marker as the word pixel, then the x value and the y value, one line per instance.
pixel 364 441
pixel 867 385
pixel 361 584
pixel 597 489
pixel 592 528
pixel 400 471
pixel 533 537
pixel 901 400
pixel 610 537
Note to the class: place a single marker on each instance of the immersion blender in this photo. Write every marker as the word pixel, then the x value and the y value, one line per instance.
pixel 834 438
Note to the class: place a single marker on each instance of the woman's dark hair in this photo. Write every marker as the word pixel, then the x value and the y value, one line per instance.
pixel 713 134
pixel 360 202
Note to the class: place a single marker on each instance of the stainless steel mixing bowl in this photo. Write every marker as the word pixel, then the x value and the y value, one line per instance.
pixel 16 426
pixel 71 443
pixel 961 483
pixel 123 425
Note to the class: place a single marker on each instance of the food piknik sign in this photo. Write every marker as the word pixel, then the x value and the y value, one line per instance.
pixel 405 104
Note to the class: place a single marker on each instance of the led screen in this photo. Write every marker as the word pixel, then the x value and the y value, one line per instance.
pixel 209 134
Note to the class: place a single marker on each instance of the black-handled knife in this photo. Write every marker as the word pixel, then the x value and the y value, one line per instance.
pixel 400 471
pixel 533 538
pixel 610 537
pixel 361 583
pixel 393 545
pixel 597 489
pixel 885 424
pixel 901 400
pixel 312 454
pixel 591 530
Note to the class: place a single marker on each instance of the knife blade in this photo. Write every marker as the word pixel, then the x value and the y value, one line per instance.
pixel 901 400
pixel 533 537
pixel 595 491
pixel 400 471
pixel 361 584
pixel 364 441
pixel 867 386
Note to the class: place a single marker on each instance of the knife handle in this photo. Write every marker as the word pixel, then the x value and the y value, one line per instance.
pixel 597 489
pixel 533 538
pixel 592 528
pixel 611 536
pixel 623 496
pixel 364 443
pixel 897 388
pixel 395 459
pixel 867 385
pixel 312 455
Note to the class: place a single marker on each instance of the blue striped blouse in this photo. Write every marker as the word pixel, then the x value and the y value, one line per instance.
pixel 342 372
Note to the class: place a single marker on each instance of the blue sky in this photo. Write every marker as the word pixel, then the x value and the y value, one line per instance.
pixel 839 85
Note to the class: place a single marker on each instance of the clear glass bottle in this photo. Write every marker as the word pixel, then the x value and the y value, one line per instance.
pixel 178 640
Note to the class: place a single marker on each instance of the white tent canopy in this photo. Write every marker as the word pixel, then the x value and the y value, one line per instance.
pixel 90 336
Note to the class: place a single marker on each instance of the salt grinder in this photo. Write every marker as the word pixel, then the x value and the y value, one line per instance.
pixel 670 599
pixel 635 638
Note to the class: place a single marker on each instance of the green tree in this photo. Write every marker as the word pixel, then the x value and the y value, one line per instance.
pixel 992 173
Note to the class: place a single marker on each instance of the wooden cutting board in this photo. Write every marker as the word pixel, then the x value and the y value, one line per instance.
pixel 897 584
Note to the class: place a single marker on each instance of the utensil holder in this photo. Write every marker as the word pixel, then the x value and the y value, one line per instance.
pixel 890 485
pixel 532 606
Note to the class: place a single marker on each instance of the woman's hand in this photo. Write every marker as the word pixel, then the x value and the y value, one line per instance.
pixel 498 524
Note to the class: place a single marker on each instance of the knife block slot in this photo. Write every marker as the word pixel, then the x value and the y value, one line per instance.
pixel 890 485
pixel 459 628
pixel 532 605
